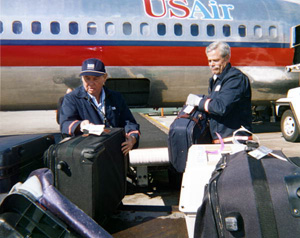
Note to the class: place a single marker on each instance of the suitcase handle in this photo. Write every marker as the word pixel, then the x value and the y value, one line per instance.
pixel 63 166
pixel 90 153
pixel 21 151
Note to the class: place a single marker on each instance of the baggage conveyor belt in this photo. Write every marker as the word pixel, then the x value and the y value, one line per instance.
pixel 151 135
pixel 150 210
pixel 153 148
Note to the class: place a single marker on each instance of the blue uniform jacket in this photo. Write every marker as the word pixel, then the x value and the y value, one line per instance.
pixel 229 105
pixel 76 107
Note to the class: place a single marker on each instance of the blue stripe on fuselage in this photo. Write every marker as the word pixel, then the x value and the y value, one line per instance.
pixel 137 43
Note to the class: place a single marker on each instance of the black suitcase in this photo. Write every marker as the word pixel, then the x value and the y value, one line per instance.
pixel 186 129
pixel 19 155
pixel 91 171
pixel 249 198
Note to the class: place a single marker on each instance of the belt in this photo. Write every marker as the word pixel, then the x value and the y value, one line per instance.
pixel 230 139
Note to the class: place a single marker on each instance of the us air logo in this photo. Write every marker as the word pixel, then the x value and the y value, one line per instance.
pixel 184 9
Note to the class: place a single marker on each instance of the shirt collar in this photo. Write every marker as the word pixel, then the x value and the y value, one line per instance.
pixel 102 98
pixel 220 76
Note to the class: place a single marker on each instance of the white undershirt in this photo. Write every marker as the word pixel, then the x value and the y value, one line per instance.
pixel 101 104
pixel 215 77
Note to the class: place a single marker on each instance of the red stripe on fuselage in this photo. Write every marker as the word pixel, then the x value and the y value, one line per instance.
pixel 138 55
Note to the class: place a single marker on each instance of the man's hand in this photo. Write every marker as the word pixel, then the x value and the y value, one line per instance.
pixel 81 126
pixel 193 100
pixel 85 122
pixel 128 144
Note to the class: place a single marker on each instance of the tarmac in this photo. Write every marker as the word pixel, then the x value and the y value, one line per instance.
pixel 33 122
pixel 150 211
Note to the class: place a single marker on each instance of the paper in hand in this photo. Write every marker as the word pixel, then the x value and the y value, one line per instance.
pixel 93 129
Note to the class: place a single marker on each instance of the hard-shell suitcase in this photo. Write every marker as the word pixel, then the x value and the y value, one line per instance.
pixel 249 197
pixel 19 155
pixel 36 208
pixel 22 217
pixel 91 171
pixel 186 129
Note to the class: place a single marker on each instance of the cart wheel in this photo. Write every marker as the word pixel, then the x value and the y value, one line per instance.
pixel 289 128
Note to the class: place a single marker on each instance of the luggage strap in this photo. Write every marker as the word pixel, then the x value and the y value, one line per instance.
pixel 190 117
pixel 73 144
pixel 231 139
pixel 214 198
pixel 263 200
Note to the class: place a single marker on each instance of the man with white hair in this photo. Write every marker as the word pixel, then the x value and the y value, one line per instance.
pixel 228 103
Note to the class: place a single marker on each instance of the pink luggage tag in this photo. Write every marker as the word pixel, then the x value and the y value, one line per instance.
pixel 221 148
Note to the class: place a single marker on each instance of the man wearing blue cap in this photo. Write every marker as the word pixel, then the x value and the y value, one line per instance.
pixel 93 103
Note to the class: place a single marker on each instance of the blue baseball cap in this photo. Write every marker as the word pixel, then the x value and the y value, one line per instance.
pixel 93 67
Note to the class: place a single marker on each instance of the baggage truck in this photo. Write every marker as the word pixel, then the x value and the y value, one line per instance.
pixel 289 110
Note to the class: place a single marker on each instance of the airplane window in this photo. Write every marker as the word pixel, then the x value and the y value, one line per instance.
pixel 145 29
pixel 55 27
pixel 226 30
pixel 36 27
pixel 258 31
pixel 295 37
pixel 127 28
pixel 194 30
pixel 73 28
pixel 210 30
pixel 161 29
pixel 91 28
pixel 242 31
pixel 273 31
pixel 178 29
pixel 17 27
pixel 1 27
pixel 110 29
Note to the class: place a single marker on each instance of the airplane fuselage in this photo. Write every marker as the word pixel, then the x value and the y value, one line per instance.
pixel 154 50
